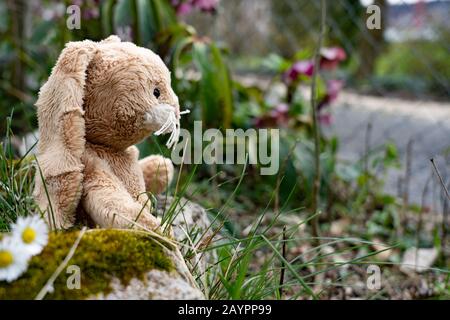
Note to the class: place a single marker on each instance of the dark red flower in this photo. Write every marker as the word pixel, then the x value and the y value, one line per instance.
pixel 91 13
pixel 184 7
pixel 325 119
pixel 331 57
pixel 333 89
pixel 275 118
pixel 302 67
pixel 206 5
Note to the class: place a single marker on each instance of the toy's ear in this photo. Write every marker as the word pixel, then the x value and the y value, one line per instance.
pixel 59 175
pixel 111 39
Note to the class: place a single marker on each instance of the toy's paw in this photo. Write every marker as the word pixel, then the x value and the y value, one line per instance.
pixel 137 216
pixel 152 223
pixel 158 173
pixel 166 228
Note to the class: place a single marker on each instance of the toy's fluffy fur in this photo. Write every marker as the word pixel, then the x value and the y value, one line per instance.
pixel 97 103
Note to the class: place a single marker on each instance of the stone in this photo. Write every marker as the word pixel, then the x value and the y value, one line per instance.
pixel 418 259
pixel 121 264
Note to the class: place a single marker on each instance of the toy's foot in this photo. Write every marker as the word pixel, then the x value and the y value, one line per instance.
pixel 158 173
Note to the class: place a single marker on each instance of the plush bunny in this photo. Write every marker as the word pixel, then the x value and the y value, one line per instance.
pixel 100 99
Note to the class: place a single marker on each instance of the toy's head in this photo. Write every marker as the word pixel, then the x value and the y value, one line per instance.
pixel 127 94
pixel 123 91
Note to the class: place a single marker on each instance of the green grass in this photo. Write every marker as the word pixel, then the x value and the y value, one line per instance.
pixel 261 263
pixel 16 183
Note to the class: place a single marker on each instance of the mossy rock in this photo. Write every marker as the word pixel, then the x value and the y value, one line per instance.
pixel 113 264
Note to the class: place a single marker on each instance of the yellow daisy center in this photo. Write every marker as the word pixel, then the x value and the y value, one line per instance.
pixel 28 235
pixel 6 259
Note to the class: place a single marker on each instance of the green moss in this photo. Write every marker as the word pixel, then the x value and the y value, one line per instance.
pixel 101 255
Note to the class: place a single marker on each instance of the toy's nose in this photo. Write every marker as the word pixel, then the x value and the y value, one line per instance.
pixel 171 105
pixel 175 105
pixel 176 108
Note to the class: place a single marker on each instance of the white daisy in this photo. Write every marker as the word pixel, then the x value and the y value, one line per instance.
pixel 31 233
pixel 13 260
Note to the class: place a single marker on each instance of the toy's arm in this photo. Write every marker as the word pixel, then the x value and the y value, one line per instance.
pixel 110 205
pixel 158 173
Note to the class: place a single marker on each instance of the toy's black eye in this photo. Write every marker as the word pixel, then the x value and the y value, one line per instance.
pixel 156 93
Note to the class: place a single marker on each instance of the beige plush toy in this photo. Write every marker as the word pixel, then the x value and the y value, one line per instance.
pixel 101 99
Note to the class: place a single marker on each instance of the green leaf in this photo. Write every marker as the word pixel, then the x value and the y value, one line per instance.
pixel 41 32
pixel 215 86
pixel 148 22
pixel 275 63
pixel 107 17
pixel 155 16
pixel 179 47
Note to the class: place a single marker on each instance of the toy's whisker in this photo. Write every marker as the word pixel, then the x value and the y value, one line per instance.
pixel 174 123
pixel 174 136
pixel 164 127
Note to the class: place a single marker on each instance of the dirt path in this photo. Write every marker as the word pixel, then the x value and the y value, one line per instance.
pixel 426 124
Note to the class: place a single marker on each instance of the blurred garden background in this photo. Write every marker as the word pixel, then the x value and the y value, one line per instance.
pixel 381 112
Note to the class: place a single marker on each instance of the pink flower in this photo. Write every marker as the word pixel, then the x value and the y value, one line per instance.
pixel 279 116
pixel 303 67
pixel 331 57
pixel 333 89
pixel 325 119
pixel 280 112
pixel 91 13
pixel 184 8
pixel 206 5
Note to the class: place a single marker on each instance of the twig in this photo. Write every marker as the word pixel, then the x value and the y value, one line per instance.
pixel 188 273
pixel 366 154
pixel 276 207
pixel 49 285
pixel 407 179
pixel 445 211
pixel 316 129
pixel 409 150
pixel 440 178
pixel 181 168
pixel 283 266
pixel 156 235
pixel 445 208
pixel 422 209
